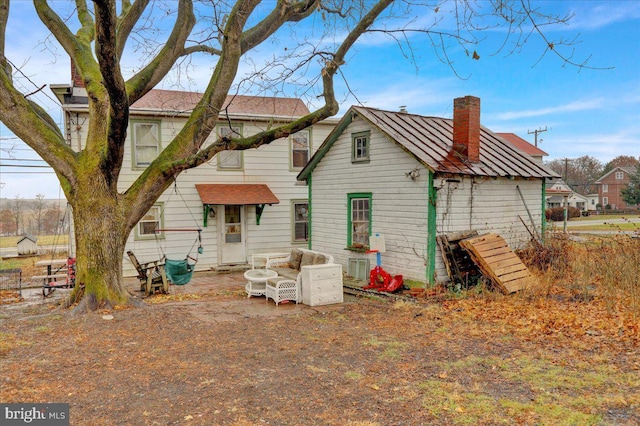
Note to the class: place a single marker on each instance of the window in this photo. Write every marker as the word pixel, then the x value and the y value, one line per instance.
pixel 229 160
pixel 146 143
pixel 605 187
pixel 605 201
pixel 299 149
pixel 300 221
pixel 232 224
pixel 360 147
pixel 151 221
pixel 359 220
pixel 619 175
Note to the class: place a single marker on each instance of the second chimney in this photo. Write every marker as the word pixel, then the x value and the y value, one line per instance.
pixel 466 127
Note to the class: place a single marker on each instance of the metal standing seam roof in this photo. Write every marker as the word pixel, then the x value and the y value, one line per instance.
pixel 235 194
pixel 430 140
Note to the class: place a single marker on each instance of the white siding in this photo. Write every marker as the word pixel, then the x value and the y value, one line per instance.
pixel 487 205
pixel 268 164
pixel 399 205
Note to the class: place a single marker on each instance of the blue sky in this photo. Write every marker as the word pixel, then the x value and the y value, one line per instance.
pixel 593 112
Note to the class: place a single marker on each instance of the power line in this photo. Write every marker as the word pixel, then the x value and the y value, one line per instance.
pixel 25 166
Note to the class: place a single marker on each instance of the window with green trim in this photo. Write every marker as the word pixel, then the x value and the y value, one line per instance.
pixel 359 220
pixel 360 146
pixel 300 221
pixel 229 160
pixel 152 220
pixel 146 142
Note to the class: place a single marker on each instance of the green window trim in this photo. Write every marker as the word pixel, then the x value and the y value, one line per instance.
pixel 360 147
pixel 134 143
pixel 358 246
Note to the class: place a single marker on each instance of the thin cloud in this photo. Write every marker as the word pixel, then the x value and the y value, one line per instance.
pixel 581 105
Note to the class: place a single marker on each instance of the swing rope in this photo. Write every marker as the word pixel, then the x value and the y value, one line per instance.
pixel 180 271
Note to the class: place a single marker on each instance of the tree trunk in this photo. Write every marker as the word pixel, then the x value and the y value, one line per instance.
pixel 100 235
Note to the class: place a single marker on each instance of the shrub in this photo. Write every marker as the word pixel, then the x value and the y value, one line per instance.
pixel 556 214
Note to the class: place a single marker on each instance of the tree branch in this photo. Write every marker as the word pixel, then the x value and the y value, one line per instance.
pixel 127 21
pixel 109 62
pixel 155 71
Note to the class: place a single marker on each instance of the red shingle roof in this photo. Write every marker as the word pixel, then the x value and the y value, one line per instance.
pixel 521 144
pixel 235 194
pixel 177 101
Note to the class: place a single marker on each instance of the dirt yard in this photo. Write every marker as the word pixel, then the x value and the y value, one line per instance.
pixel 207 355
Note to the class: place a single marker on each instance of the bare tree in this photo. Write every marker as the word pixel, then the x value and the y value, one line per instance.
pixel 16 207
pixel 101 34
pixel 38 207
pixel 580 173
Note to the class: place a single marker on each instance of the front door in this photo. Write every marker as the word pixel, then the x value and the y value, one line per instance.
pixel 232 238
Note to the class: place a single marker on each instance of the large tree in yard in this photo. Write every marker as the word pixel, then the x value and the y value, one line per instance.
pixel 106 41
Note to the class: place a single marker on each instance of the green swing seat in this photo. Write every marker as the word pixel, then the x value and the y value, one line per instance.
pixel 179 272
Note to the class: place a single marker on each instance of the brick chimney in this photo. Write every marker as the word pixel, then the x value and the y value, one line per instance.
pixel 76 79
pixel 466 128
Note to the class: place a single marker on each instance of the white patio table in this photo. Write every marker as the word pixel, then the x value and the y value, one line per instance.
pixel 257 280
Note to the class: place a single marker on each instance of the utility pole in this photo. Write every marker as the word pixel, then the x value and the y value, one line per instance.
pixel 535 132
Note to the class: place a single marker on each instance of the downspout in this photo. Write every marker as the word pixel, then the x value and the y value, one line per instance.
pixel 431 231
pixel 309 227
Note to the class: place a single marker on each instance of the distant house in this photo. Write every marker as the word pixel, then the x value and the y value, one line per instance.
pixel 610 186
pixel 524 146
pixel 27 245
pixel 244 202
pixel 410 178
pixel 557 191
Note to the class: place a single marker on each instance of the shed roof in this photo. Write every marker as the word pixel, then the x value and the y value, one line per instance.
pixel 235 194
pixel 430 141
pixel 179 101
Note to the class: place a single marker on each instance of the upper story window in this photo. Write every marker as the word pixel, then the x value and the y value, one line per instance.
pixel 619 175
pixel 229 160
pixel 151 221
pixel 605 187
pixel 300 146
pixel 146 143
pixel 360 146
pixel 359 219
pixel 300 221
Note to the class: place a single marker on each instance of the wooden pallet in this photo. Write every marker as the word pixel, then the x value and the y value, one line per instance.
pixel 497 261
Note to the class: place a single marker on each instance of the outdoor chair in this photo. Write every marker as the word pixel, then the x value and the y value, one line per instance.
pixel 152 276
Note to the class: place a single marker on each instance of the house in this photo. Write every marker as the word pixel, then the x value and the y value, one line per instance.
pixel 238 204
pixel 610 186
pixel 524 146
pixel 27 245
pixel 557 191
pixel 409 178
